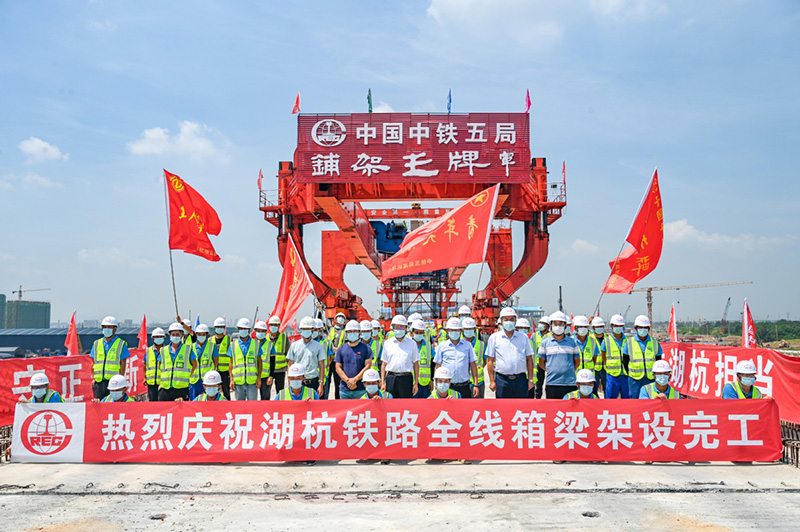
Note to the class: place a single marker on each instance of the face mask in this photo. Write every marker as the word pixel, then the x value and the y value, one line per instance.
pixel 40 392
pixel 108 333
pixel 159 340
pixel 748 381
pixel 219 330
pixel 244 335
pixel 372 389
pixel 376 333
pixel 509 325
pixel 583 331
pixel 469 333
pixel 399 333
pixel 212 391
pixel 116 394
pixel 366 336
pixel 340 321
pixel 662 380
pixel 273 329
pixel 306 333
pixel 314 335
pixel 454 336
pixel 617 330
pixel 296 385
pixel 175 339
pixel 353 336
pixel 599 331
pixel 642 332
pixel 201 339
pixel 558 330
pixel 542 327
pixel 443 387
pixel 586 389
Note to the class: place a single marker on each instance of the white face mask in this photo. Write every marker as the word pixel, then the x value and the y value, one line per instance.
pixel 662 380
pixel 586 389
pixel 509 325
pixel 558 330
pixel 372 389
pixel 442 387
pixel 642 332
pixel 617 330
pixel 295 384
pixel 201 338
pixel 353 337
pixel 469 333
pixel 159 340
pixel 454 336
pixel 399 333
pixel 116 395
pixel 583 331
pixel 219 330
pixel 748 381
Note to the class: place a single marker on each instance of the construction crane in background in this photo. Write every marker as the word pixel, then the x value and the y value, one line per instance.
pixel 625 316
pixel 724 318
pixel 649 290
pixel 20 291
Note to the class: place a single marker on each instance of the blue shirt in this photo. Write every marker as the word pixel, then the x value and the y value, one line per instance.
pixel 604 349
pixel 559 360
pixel 353 361
pixel 201 347
pixel 457 358
pixel 642 344
pixel 173 352
pixel 124 352
pixel 728 392
pixel 582 346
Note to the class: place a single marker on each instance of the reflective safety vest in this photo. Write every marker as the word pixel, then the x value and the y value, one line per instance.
pixel 281 347
pixel 151 375
pixel 577 395
pixel 245 367
pixel 652 392
pixel 587 353
pixel 641 364
pixel 442 336
pixel 376 345
pixel 381 394
pixel 336 341
pixel 737 386
pixel 175 374
pixel 125 399
pixel 286 394
pixel 205 361
pixel 204 397
pixel 223 360
pixel 51 397
pixel 106 365
pixel 614 356
pixel 480 354
pixel 450 393
pixel 425 360
pixel 598 365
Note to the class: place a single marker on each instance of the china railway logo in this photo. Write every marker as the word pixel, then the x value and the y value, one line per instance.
pixel 328 133
pixel 46 432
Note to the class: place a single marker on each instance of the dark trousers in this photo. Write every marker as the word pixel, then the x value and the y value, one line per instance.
pixel 335 379
pixel 558 392
pixel 481 390
pixel 173 393
pixel 537 390
pixel 152 392
pixel 511 386
pixel 100 389
pixel 465 389
pixel 400 386
pixel 312 383
pixel 278 380
pixel 226 384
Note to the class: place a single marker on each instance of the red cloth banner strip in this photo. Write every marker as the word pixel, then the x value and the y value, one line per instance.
pixel 586 430
pixel 702 371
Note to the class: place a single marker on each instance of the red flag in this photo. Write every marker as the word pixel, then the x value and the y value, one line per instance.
pixel 295 285
pixel 748 327
pixel 527 100
pixel 457 238
pixel 564 172
pixel 260 177
pixel 191 219
pixel 72 342
pixel 142 336
pixel 572 323
pixel 294 325
pixel 646 238
pixel 296 108
pixel 672 329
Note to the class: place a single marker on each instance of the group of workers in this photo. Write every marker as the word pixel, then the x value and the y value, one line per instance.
pixel 562 358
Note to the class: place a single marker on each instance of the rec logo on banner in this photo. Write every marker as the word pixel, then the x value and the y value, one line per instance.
pixel 46 434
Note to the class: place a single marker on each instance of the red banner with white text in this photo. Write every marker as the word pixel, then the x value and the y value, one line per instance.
pixel 701 371
pixel 482 429
pixel 70 376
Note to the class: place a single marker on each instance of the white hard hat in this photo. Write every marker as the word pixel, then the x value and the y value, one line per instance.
pixel 418 325
pixel 545 319
pixel 414 317
pixel 581 321
pixel 202 328
pixel 585 375
pixel 442 373
pixel 465 310
pixel 352 326
pixel 318 323
pixel 274 320
pixel 219 322
pixel 508 311
pixel 641 321
pixel 558 316
pixel 371 375
pixel 661 366
pixel 399 320
pixel 340 314
pixel 523 322
pixel 376 324
pixel 109 321
pixel 746 367
pixel 117 382
pixel 598 322
pixel 617 319
pixel 212 378
pixel 187 322
pixel 366 326
pixel 454 323
pixel 307 322
pixel 297 370
pixel 260 326
pixel 158 331
pixel 468 323
pixel 569 320
pixel 175 326
pixel 39 379
pixel 243 323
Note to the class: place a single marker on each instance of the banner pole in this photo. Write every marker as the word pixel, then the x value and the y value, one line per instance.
pixel 171 267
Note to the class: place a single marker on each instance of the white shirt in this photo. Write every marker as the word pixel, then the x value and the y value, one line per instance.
pixel 308 355
pixel 510 354
pixel 400 355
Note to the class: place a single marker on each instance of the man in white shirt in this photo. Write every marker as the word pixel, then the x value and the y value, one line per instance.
pixel 458 356
pixel 509 356
pixel 309 354
pixel 400 362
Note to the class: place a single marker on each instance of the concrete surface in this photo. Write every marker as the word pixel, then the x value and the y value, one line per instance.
pixel 400 496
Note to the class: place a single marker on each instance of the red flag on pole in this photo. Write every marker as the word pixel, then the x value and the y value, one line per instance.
pixel 296 108
pixel 295 285
pixel 672 330
pixel 294 325
pixel 191 219
pixel 748 327
pixel 527 100
pixel 564 172
pixel 72 342
pixel 646 238
pixel 260 177
pixel 457 238
pixel 142 336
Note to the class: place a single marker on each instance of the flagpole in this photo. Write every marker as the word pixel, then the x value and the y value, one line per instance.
pixel 171 266
pixel 602 292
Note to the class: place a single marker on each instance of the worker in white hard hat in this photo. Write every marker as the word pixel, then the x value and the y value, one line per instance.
pixel 441 385
pixel 151 376
pixel 212 384
pixel 599 334
pixel 40 391
pixel 560 357
pixel 353 359
pixel 509 359
pixel 418 332
pixel 309 354
pixel 264 348
pixel 247 364
pixel 336 337
pixel 400 362
pixel 221 342
pixel 206 360
pixel 457 355
pixel 614 362
pixel 297 390
pixel 660 389
pixel 188 332
pixel 469 334
pixel 542 332
pixel 642 350
pixel 320 336
pixel 176 362
pixel 366 331
pixel 376 344
pixel 118 390
pixel 586 383
pixel 372 386
pixel 110 355
pixel 744 387
pixel 590 351
pixel 274 359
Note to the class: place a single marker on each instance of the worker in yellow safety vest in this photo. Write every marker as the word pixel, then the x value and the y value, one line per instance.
pixel 109 355
pixel 469 332
pixel 336 337
pixel 118 391
pixel 175 365
pixel 660 389
pixel 376 344
pixel 221 342
pixel 586 383
pixel 247 364
pixel 206 360
pixel 599 334
pixel 590 352
pixel 41 392
pixel 273 353
pixel 151 376
pixel 318 334
pixel 744 385
pixel 642 350
pixel 424 386
pixel 614 362
pixel 211 388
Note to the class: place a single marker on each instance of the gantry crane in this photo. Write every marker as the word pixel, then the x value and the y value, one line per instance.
pixel 649 290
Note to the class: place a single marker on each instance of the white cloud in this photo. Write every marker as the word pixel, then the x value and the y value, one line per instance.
pixel 682 232
pixel 383 107
pixel 582 247
pixel 112 257
pixel 106 25
pixel 36 150
pixel 29 181
pixel 629 8
pixel 192 140
pixel 235 260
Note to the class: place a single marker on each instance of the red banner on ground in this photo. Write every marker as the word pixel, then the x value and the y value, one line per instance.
pixel 587 430
pixel 70 376
pixel 702 371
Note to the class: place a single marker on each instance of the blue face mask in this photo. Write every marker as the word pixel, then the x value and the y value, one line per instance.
pixel 366 336
pixel 306 333
pixel 419 337
pixel 748 381
pixel 219 330
pixel 442 387
pixel 212 391
pixel 399 333
pixel 296 384
pixel 542 327
pixel 116 395
pixel 662 380
pixel 586 389
pixel 108 332
pixel 372 389
pixel 159 340
pixel 454 336
pixel 509 325
pixel 314 335
pixel 642 332
pixel 175 339
pixel 260 335
pixel 599 331
pixel 353 336
pixel 244 335
pixel 617 330
pixel 39 392
pixel 469 333
pixel 201 338
pixel 273 329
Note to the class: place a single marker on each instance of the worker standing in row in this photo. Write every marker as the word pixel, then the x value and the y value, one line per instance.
pixel 425 349
pixel 542 332
pixel 309 354
pixel 336 337
pixel 353 358
pixel 176 363
pixel 599 334
pixel 509 359
pixel 469 331
pixel 590 352
pixel 459 358
pixel 376 345
pixel 151 374
pixel 206 360
pixel 109 355
pixel 274 354
pixel 246 364
pixel 559 355
pixel 400 362
pixel 221 342
pixel 614 361
pixel 642 350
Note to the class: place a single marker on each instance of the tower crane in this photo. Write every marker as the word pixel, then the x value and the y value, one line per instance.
pixel 20 291
pixel 649 291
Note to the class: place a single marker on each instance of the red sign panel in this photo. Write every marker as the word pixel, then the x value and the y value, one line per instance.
pixel 401 147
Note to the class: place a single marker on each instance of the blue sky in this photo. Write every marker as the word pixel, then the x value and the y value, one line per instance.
pixel 99 96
